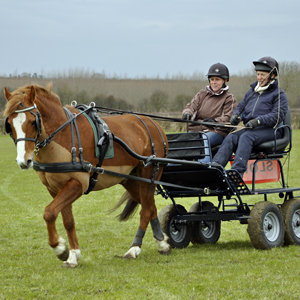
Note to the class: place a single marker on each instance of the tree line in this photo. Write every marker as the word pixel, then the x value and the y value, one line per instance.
pixel 156 95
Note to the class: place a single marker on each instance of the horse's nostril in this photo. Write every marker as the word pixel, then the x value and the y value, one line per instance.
pixel 29 161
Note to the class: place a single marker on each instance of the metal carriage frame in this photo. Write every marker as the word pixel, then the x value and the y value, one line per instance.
pixel 269 224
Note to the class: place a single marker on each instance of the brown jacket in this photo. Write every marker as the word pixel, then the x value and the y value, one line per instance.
pixel 207 104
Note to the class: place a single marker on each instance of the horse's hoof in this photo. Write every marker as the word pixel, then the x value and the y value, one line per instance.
pixel 128 256
pixel 69 265
pixel 168 252
pixel 133 252
pixel 61 250
pixel 64 256
pixel 164 247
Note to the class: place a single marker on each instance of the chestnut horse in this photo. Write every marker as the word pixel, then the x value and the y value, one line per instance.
pixel 22 108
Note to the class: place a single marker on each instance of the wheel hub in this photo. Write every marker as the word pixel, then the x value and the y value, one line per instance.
pixel 296 223
pixel 271 226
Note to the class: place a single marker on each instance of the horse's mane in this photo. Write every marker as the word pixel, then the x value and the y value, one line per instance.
pixel 18 95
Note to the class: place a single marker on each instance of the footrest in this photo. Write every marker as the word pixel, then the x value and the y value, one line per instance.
pixel 237 182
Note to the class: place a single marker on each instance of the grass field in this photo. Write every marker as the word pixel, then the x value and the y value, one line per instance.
pixel 230 269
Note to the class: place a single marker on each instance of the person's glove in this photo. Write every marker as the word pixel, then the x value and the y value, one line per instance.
pixel 210 121
pixel 186 117
pixel 253 123
pixel 235 119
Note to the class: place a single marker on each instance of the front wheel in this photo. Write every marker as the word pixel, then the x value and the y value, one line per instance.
pixel 205 231
pixel 291 213
pixel 266 226
pixel 179 233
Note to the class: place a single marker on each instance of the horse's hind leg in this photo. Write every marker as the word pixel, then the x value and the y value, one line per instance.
pixel 71 191
pixel 160 237
pixel 148 214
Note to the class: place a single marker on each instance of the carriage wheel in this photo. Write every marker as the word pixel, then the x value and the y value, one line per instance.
pixel 266 226
pixel 291 213
pixel 179 233
pixel 205 231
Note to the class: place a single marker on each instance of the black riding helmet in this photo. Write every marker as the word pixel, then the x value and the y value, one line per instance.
pixel 267 64
pixel 218 70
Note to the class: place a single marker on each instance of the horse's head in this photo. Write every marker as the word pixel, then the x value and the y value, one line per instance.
pixel 22 123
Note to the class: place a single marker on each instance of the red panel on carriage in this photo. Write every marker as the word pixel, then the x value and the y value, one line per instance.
pixel 265 171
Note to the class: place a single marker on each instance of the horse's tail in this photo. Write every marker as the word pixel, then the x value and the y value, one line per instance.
pixel 129 209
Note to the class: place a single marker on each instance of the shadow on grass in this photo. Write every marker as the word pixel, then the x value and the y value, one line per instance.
pixel 230 245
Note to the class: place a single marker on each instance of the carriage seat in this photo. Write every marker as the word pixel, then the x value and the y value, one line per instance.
pixel 275 148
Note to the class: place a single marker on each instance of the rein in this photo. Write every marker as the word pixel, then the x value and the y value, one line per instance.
pixel 48 140
pixel 178 120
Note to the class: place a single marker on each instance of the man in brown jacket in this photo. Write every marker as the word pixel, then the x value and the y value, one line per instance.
pixel 212 104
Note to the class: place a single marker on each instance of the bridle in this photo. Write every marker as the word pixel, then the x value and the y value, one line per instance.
pixel 37 120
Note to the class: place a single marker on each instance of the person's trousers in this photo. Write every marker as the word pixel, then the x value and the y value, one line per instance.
pixel 241 143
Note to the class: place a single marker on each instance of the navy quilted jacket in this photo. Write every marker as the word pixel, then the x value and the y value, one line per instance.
pixel 263 106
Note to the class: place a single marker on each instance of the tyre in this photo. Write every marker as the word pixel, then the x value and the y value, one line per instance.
pixel 205 231
pixel 179 233
pixel 291 214
pixel 266 226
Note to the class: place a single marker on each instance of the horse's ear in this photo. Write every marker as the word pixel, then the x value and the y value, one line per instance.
pixel 31 95
pixel 7 94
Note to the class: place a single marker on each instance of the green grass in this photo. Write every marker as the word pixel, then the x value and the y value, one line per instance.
pixel 230 269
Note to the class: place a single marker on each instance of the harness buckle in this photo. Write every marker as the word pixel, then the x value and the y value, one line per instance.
pixel 89 168
pixel 147 162
pixel 100 170
pixel 36 149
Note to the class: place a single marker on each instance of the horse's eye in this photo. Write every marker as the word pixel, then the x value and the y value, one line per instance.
pixel 33 123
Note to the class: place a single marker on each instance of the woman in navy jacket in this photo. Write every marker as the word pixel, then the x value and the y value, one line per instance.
pixel 262 110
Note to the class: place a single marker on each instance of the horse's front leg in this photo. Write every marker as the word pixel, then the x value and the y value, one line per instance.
pixel 70 191
pixel 69 223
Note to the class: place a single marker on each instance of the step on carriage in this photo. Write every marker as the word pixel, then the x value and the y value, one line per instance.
pixel 269 224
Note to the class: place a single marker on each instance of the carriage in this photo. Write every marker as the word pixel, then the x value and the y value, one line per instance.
pixel 269 224
pixel 75 152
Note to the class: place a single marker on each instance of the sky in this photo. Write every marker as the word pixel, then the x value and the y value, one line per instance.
pixel 145 38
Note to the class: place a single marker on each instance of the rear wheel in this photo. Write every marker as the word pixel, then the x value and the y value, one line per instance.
pixel 266 226
pixel 179 233
pixel 291 213
pixel 205 231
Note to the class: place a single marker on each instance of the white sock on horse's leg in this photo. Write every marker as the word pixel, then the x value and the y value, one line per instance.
pixel 61 250
pixel 73 258
pixel 160 237
pixel 135 249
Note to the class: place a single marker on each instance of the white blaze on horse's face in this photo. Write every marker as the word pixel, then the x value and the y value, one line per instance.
pixel 23 159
